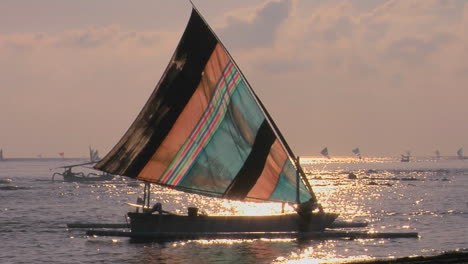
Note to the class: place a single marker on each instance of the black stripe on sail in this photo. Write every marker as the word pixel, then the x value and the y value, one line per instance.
pixel 254 164
pixel 172 93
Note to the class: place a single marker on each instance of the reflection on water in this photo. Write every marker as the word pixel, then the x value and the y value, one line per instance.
pixel 422 196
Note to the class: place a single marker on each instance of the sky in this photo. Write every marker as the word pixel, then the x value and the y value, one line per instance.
pixel 386 76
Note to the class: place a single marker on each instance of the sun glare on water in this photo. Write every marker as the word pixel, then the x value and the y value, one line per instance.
pixel 253 208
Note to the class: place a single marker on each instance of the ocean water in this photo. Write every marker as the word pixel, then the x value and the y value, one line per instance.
pixel 425 196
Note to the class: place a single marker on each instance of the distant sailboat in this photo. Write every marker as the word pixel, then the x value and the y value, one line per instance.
pixel 407 157
pixel 70 176
pixel 460 153
pixel 357 152
pixel 437 154
pixel 1 154
pixel 324 152
pixel 93 155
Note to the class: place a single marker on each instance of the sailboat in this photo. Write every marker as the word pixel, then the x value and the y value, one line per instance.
pixel 70 176
pixel 1 154
pixel 407 157
pixel 205 131
pixel 357 152
pixel 460 153
pixel 324 152
pixel 93 155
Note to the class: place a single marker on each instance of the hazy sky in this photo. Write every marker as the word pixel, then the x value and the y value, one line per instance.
pixel 385 76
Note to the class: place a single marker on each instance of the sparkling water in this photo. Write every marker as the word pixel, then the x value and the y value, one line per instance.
pixel 425 196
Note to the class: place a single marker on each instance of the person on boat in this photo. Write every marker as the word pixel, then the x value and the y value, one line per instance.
pixel 67 172
pixel 139 202
pixel 306 208
pixel 157 207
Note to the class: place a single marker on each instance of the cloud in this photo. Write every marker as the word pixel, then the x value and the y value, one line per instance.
pixel 92 38
pixel 56 84
pixel 336 37
pixel 393 71
pixel 388 74
pixel 259 31
pixel 412 51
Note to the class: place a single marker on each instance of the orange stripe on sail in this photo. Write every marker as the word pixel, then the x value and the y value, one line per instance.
pixel 188 119
pixel 268 180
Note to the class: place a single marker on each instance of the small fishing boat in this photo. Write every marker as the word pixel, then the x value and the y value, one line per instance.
pixel 407 157
pixel 357 152
pixel 460 154
pixel 205 131
pixel 70 176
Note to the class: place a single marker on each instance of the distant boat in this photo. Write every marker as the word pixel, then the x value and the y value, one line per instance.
pixel 406 158
pixel 460 153
pixel 1 154
pixel 324 152
pixel 70 176
pixel 205 131
pixel 357 152
pixel 437 154
pixel 93 155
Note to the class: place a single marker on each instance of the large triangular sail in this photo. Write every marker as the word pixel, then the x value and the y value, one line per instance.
pixel 204 130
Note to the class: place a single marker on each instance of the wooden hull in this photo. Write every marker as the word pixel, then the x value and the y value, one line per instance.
pixel 165 223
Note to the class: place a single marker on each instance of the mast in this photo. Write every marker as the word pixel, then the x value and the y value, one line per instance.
pixel 270 120
pixel 146 196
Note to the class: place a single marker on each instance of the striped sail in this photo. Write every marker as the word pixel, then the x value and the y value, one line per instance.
pixel 203 130
pixel 324 152
pixel 357 152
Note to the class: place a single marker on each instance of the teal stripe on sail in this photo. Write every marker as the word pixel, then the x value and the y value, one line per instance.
pixel 222 158
pixel 285 190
